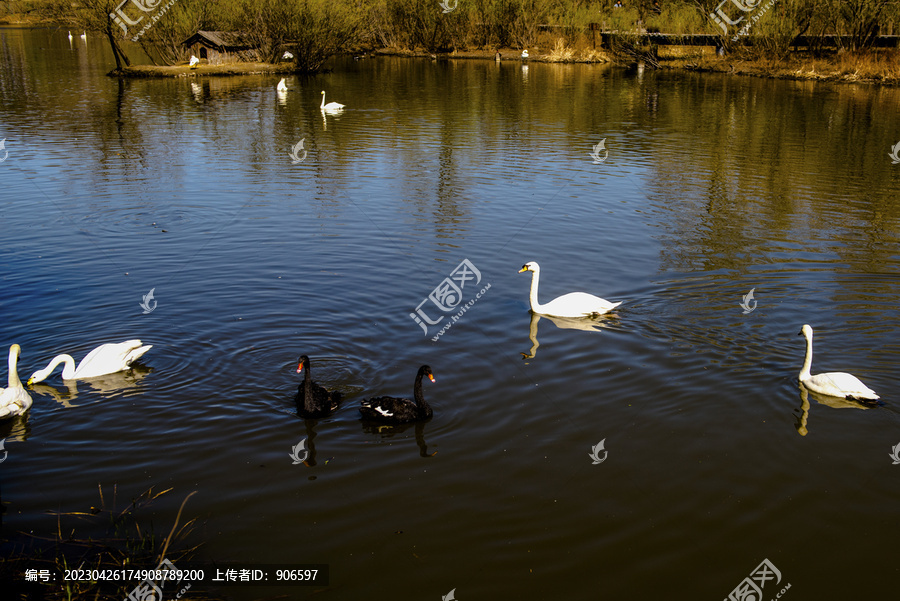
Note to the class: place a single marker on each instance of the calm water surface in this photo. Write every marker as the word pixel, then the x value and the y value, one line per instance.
pixel 713 186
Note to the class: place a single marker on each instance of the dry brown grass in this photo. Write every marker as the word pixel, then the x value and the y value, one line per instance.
pixel 881 67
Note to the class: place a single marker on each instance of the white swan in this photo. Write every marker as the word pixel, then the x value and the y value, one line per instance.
pixel 525 53
pixel 281 87
pixel 194 61
pixel 70 36
pixel 574 304
pixel 331 106
pixel 84 36
pixel 837 383
pixel 14 400
pixel 105 359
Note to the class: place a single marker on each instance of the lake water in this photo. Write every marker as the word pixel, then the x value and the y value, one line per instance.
pixel 712 186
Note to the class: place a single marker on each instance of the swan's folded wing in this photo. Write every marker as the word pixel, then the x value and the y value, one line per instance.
pixel 848 384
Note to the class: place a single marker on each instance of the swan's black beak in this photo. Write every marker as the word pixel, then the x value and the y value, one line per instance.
pixel 800 333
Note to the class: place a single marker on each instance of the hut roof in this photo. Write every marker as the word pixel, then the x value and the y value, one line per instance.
pixel 221 40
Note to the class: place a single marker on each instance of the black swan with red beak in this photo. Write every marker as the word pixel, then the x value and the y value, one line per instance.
pixel 313 401
pixel 391 410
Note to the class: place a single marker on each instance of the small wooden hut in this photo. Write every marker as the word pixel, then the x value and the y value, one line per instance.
pixel 219 47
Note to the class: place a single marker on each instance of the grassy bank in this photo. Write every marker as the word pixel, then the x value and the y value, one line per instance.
pixel 187 71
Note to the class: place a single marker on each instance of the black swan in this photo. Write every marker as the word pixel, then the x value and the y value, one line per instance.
pixel 312 400
pixel 391 410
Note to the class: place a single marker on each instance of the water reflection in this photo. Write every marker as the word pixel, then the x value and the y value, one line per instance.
pixel 391 430
pixel 108 385
pixel 15 428
pixel 587 324
pixel 831 401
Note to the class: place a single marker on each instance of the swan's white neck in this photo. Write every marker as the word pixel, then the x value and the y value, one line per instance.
pixel 13 378
pixel 807 361
pixel 68 372
pixel 533 296
pixel 323 101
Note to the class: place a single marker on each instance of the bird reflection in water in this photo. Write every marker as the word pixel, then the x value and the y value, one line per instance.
pixel 831 401
pixel 107 385
pixel 391 430
pixel 310 427
pixel 588 324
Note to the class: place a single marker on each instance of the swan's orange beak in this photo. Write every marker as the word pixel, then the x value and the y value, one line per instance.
pixel 300 367
pixel 431 377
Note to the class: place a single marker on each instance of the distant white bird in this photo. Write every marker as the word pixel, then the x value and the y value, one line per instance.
pixel 194 61
pixel 331 106
pixel 574 304
pixel 14 400
pixel 282 87
pixel 525 53
pixel 837 384
pixel 105 359
pixel 287 55
pixel 84 36
pixel 70 36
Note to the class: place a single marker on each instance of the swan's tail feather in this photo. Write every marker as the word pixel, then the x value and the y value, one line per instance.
pixel 137 353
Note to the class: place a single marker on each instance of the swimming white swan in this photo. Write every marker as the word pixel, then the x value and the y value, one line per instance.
pixel 281 87
pixel 331 106
pixel 574 304
pixel 105 359
pixel 70 36
pixel 14 400
pixel 84 36
pixel 837 384
pixel 525 53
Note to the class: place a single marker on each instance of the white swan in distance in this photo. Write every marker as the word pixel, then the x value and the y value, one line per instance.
pixel 70 36
pixel 836 384
pixel 84 36
pixel 574 304
pixel 194 61
pixel 14 400
pixel 525 53
pixel 282 87
pixel 331 106
pixel 105 359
